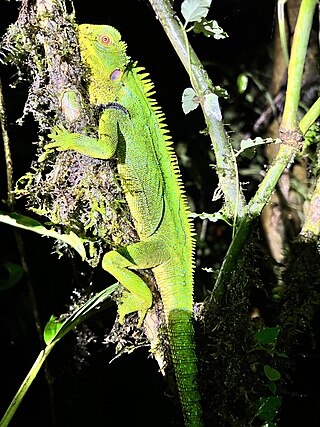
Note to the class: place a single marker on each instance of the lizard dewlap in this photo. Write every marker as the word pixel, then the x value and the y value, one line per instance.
pixel 132 130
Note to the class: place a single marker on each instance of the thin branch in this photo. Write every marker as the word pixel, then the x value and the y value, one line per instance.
pixel 282 30
pixel 11 203
pixel 296 64
pixel 7 151
pixel 226 165
pixel 310 117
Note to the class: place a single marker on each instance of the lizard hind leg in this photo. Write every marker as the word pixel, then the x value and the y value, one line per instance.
pixel 121 262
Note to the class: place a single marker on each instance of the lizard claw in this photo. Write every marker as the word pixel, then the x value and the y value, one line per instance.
pixel 60 137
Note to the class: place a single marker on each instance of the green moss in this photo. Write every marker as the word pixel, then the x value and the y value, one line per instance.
pixel 71 191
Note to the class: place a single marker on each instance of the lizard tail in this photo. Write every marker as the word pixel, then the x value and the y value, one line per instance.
pixel 181 337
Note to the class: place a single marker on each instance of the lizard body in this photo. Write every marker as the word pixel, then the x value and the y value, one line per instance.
pixel 131 129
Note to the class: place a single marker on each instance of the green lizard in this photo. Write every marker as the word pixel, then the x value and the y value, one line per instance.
pixel 131 129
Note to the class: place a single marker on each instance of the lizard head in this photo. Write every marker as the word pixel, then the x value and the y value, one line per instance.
pixel 104 53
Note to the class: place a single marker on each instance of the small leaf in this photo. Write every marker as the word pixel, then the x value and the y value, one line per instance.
pixel 13 273
pixel 211 217
pixel 252 143
pixel 208 269
pixel 281 354
pixel 272 385
pixel 210 29
pixel 272 373
pixel 211 106
pixel 268 407
pixel 55 330
pixel 249 153
pixel 51 329
pixel 248 143
pixel 194 10
pixel 189 102
pixel 267 335
pixel 242 82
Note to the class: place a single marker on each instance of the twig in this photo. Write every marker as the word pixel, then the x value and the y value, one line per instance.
pixel 11 203
pixel 7 151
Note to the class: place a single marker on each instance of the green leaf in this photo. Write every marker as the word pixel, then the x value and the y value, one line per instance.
pixel 210 29
pixel 55 329
pixel 189 102
pixel 51 329
pixel 27 223
pixel 272 373
pixel 267 335
pixel 249 153
pixel 281 354
pixel 313 135
pixel 13 276
pixel 268 407
pixel 242 82
pixel 272 387
pixel 253 143
pixel 248 143
pixel 194 10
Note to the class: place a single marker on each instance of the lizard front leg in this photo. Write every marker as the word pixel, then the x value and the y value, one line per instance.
pixel 103 147
pixel 120 263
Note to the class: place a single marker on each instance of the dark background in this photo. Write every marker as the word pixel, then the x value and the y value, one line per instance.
pixel 88 391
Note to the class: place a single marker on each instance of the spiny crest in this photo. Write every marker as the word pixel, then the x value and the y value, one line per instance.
pixel 147 83
pixel 148 87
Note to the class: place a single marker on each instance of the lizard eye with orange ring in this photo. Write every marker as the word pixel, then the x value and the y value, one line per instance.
pixel 105 39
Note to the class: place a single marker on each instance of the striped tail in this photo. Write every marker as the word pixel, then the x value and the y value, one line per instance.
pixel 181 337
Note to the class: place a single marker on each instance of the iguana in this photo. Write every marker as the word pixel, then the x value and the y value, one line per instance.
pixel 132 130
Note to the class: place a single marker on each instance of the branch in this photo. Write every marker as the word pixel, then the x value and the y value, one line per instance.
pixel 225 158
pixel 291 143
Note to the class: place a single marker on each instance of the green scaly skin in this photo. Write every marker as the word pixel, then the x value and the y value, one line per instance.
pixel 131 129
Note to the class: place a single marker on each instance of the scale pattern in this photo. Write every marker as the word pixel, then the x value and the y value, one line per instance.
pixel 150 177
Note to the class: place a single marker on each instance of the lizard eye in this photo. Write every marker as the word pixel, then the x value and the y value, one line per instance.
pixel 105 40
